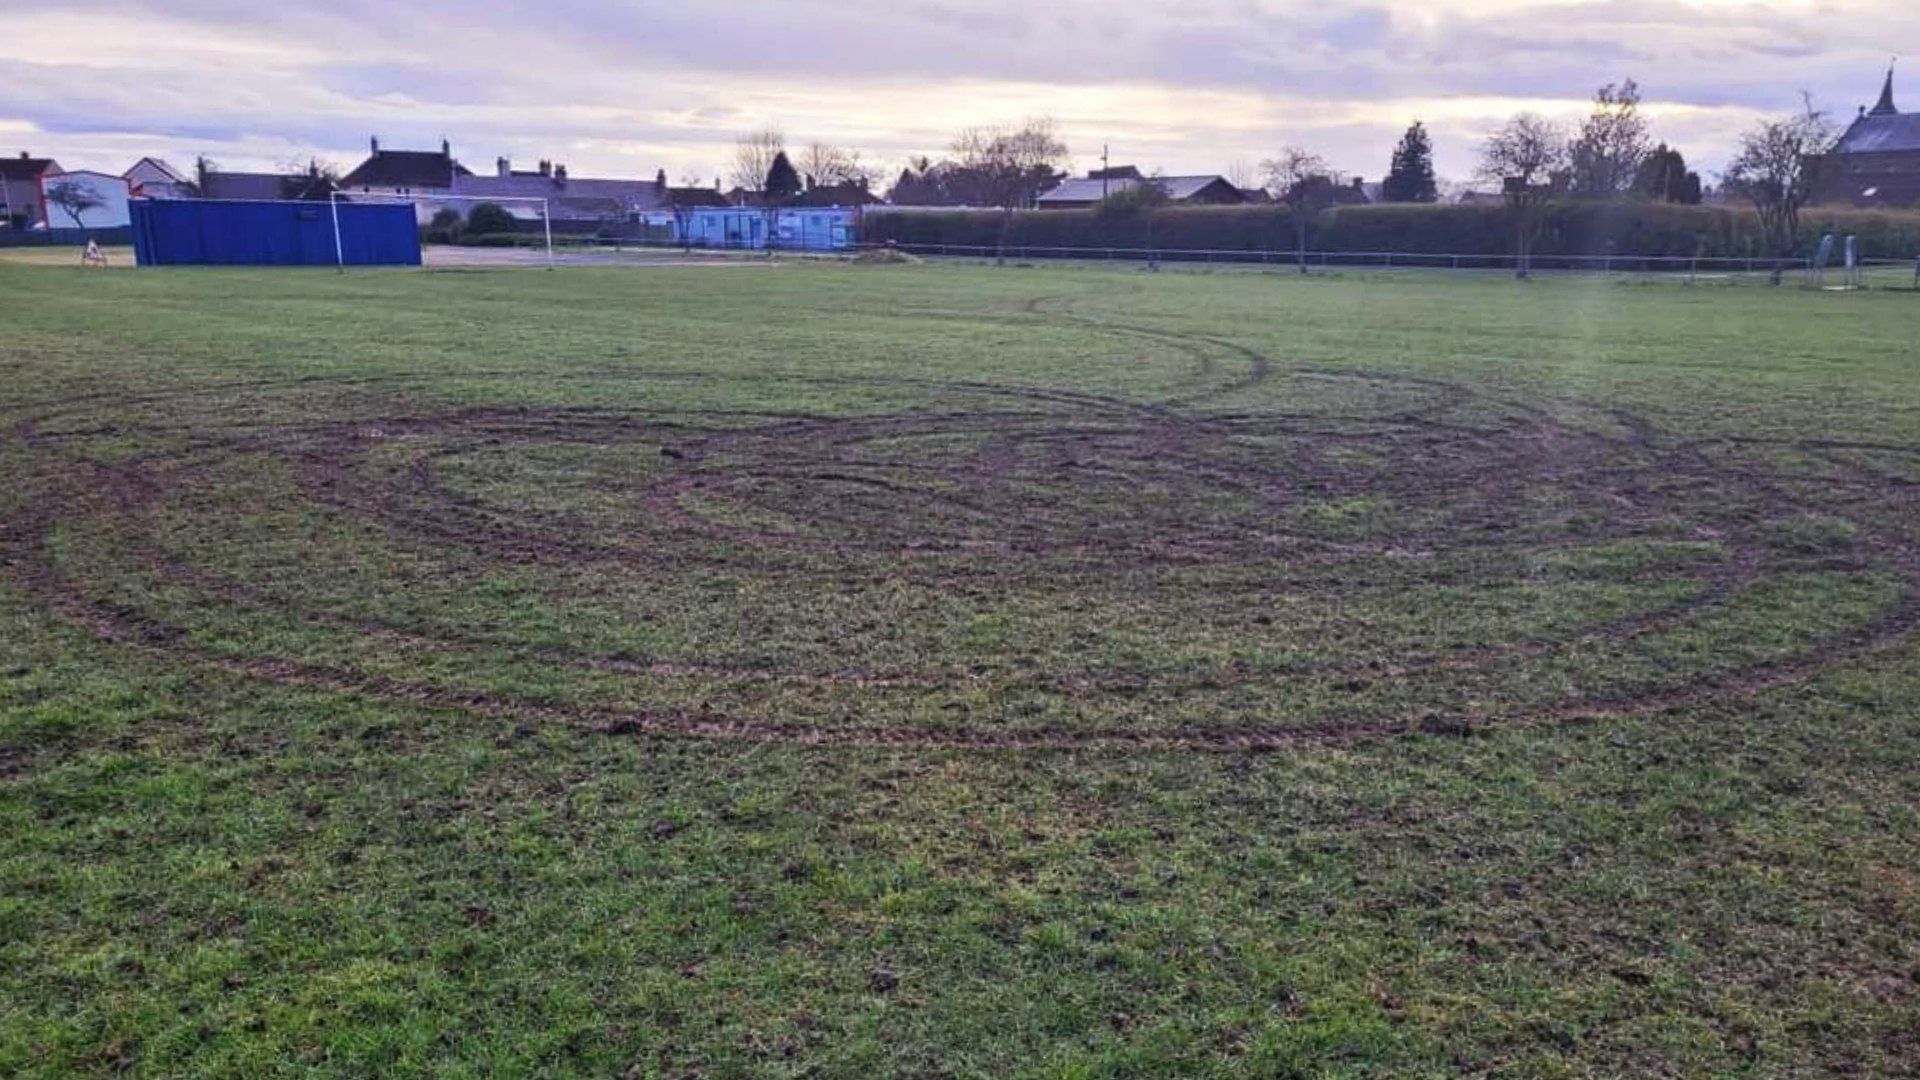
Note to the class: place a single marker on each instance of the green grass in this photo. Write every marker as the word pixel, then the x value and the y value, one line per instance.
pixel 795 670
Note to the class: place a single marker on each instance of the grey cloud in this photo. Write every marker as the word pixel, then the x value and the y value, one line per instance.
pixel 670 75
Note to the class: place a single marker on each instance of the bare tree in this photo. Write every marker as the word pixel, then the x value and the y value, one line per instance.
pixel 825 165
pixel 1241 174
pixel 1528 157
pixel 75 198
pixel 309 179
pixel 1009 168
pixel 753 155
pixel 1772 171
pixel 1606 154
pixel 1305 184
pixel 312 166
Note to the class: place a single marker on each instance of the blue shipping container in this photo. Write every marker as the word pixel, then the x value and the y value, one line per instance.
pixel 208 232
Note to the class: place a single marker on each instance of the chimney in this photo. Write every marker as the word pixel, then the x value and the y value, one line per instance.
pixel 446 148
pixel 503 167
pixel 560 174
pixel 23 155
pixel 546 167
pixel 373 143
pixel 1359 184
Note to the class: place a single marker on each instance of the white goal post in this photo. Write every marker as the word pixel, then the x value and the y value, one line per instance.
pixel 336 198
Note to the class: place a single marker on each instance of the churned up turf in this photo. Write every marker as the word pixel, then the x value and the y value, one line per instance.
pixel 935 671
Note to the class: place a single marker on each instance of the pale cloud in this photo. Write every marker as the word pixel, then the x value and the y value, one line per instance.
pixel 626 88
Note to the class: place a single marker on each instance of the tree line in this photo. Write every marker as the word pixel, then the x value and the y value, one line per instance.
pixel 1609 155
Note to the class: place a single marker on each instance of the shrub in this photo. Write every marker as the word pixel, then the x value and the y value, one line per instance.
pixel 445 228
pixel 489 218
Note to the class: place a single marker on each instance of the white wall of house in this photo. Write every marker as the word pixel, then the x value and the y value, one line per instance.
pixel 154 182
pixel 110 189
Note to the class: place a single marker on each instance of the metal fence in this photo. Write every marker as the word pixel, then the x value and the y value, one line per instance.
pixel 1308 260
pixel 1368 260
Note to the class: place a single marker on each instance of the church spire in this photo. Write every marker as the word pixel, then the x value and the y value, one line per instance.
pixel 1885 107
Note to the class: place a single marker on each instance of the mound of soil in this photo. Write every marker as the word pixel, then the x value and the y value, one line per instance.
pixel 886 257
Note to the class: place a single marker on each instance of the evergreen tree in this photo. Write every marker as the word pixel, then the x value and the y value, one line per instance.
pixel 1411 178
pixel 1664 177
pixel 783 181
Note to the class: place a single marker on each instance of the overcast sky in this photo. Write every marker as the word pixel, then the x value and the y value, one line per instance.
pixel 623 89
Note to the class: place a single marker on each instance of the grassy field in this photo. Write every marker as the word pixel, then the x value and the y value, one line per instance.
pixel 956 672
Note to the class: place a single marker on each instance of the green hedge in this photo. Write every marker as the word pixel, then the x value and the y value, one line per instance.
pixel 1573 228
pixel 512 239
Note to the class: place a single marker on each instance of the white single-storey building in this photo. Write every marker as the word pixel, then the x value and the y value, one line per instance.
pixel 109 194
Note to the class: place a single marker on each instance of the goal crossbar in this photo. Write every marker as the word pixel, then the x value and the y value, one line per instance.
pixel 335 198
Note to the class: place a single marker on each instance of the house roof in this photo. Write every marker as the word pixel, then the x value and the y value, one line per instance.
pixel 26 168
pixel 695 196
pixel 1178 188
pixel 271 187
pixel 408 169
pixel 1882 129
pixel 239 185
pixel 1880 134
pixel 164 169
pixel 1884 107
pixel 612 196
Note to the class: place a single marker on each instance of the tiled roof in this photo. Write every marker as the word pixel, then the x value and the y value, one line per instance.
pixel 26 168
pixel 239 185
pixel 272 187
pixel 695 196
pixel 166 170
pixel 629 196
pixel 1178 188
pixel 407 169
pixel 1885 133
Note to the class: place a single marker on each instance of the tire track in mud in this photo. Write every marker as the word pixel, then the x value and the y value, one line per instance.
pixel 1127 442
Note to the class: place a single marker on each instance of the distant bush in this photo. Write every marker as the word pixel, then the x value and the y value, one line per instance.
pixel 490 218
pixel 506 239
pixel 1571 228
pixel 445 228
pixel 1133 199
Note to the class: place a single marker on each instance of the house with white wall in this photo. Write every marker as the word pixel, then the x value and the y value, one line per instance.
pixel 110 191
pixel 152 178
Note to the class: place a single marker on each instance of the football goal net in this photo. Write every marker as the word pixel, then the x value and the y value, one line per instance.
pixel 522 208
